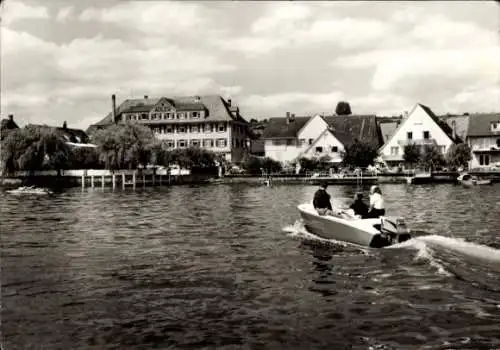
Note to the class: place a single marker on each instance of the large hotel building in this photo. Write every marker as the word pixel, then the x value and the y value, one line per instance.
pixel 209 122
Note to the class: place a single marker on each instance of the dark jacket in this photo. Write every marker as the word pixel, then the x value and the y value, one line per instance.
pixel 360 208
pixel 322 200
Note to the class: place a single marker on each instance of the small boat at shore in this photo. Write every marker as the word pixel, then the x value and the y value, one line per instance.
pixel 30 190
pixel 374 233
pixel 469 180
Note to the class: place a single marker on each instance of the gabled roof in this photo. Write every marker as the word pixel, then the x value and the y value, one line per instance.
pixel 461 124
pixel 387 129
pixel 279 128
pixel 345 128
pixel 70 135
pixel 480 124
pixel 313 144
pixel 348 128
pixel 218 108
pixel 442 124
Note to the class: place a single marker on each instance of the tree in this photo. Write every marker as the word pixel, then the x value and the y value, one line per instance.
pixel 360 154
pixel 343 108
pixel 431 157
pixel 412 153
pixel 252 165
pixel 271 166
pixel 123 146
pixel 84 158
pixel 34 148
pixel 458 155
pixel 307 164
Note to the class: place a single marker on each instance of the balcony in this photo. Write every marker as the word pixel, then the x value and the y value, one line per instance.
pixel 482 149
pixel 421 142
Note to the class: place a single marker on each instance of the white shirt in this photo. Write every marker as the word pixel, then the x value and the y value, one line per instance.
pixel 377 201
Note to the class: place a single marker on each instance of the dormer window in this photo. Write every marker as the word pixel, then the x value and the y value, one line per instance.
pixel 495 126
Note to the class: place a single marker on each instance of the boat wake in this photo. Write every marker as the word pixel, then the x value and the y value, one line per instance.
pixel 449 256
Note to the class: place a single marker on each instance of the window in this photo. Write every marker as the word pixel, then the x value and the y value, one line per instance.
pixel 208 128
pixel 409 135
pixel 442 149
pixel 426 135
pixel 221 127
pixel 311 141
pixel 277 143
pixel 170 143
pixel 302 142
pixel 180 115
pixel 208 143
pixel 319 149
pixel 290 142
pixel 195 115
pixel 181 129
pixel 195 128
pixel 221 143
pixel 498 142
pixel 394 151
pixel 484 159
pixel 169 129
pixel 182 143
pixel 144 116
pixel 335 149
pixel 195 143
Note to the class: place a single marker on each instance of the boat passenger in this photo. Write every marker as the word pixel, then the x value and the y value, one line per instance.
pixel 321 200
pixel 377 208
pixel 359 207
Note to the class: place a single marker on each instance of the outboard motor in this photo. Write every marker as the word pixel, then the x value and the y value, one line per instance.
pixel 395 229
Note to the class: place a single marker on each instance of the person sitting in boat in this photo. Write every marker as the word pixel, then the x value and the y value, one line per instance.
pixel 377 208
pixel 359 207
pixel 321 200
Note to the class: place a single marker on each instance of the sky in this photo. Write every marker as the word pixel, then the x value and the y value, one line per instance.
pixel 61 60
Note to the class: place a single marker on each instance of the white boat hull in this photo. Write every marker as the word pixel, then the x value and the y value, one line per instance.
pixel 470 180
pixel 358 231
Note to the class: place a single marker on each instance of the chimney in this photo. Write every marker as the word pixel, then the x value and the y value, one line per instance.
pixel 65 125
pixel 113 107
pixel 406 114
pixel 229 102
pixel 287 118
pixel 198 99
pixel 145 97
pixel 11 117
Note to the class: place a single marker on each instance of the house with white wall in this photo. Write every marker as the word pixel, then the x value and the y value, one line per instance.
pixel 421 127
pixel 290 138
pixel 483 138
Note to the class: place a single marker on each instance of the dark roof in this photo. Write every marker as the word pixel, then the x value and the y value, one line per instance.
pixel 279 128
pixel 387 129
pixel 480 124
pixel 441 123
pixel 345 128
pixel 71 135
pixel 348 128
pixel 5 126
pixel 461 124
pixel 218 108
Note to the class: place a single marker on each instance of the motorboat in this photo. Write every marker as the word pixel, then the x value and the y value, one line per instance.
pixel 375 233
pixel 30 190
pixel 469 180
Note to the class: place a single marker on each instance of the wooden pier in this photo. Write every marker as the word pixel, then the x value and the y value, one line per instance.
pixel 124 178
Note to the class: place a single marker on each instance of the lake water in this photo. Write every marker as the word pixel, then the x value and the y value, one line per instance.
pixel 231 267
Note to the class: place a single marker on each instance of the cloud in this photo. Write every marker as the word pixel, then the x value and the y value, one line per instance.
pixel 299 25
pixel 301 101
pixel 15 11
pixel 65 14
pixel 156 17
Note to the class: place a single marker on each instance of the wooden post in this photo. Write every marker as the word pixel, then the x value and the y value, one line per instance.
pixel 83 181
pixel 102 181
pixel 160 179
pixel 143 179
pixel 154 178
pixel 123 180
pixel 133 180
pixel 92 181
pixel 114 180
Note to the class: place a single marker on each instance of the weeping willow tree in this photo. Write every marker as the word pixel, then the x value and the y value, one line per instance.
pixel 34 148
pixel 125 146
